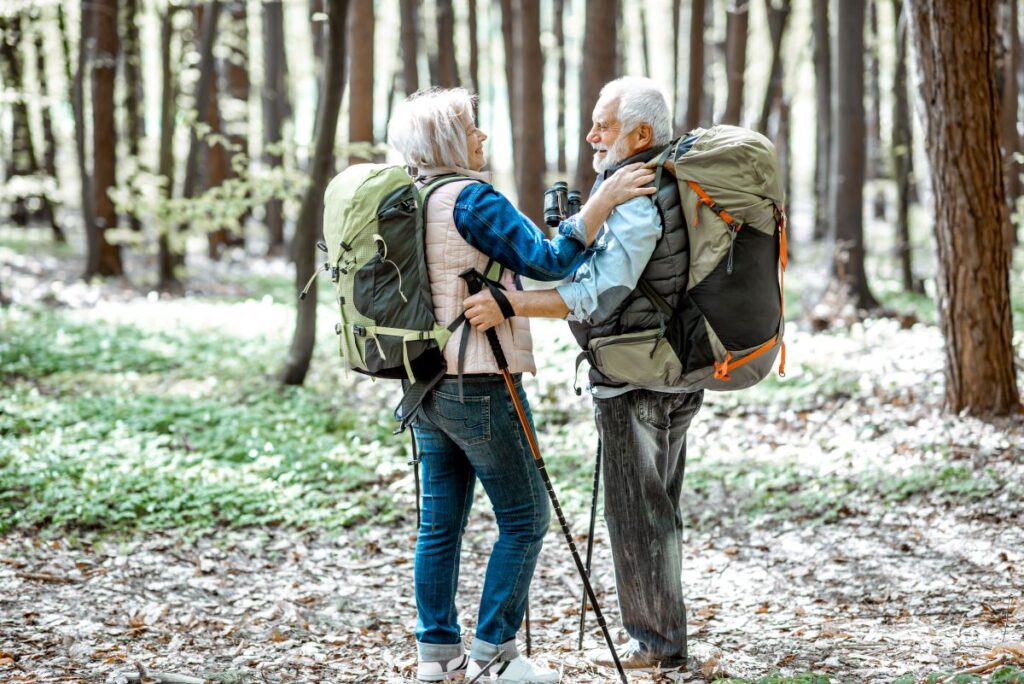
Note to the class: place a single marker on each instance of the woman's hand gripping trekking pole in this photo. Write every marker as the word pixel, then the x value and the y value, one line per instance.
pixel 476 282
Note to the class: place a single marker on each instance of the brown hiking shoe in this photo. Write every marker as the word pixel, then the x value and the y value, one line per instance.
pixel 633 657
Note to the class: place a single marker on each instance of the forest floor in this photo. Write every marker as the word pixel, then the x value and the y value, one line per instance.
pixel 164 506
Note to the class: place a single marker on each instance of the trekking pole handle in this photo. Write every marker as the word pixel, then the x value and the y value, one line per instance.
pixel 475 282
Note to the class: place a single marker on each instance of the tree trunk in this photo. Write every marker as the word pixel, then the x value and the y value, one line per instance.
pixel 901 146
pixel 712 55
pixel 311 215
pixel 474 50
pixel 598 69
pixel 677 90
pixel 275 108
pixel 316 14
pixel 846 227
pixel 1010 137
pixel 49 140
pixel 560 123
pixel 529 136
pixel 167 279
pixel 447 69
pixel 956 57
pixel 823 100
pixel 736 60
pixel 777 17
pixel 875 164
pixel 410 31
pixel 23 161
pixel 360 88
pixel 645 48
pixel 208 35
pixel 511 65
pixel 92 233
pixel 134 101
pixel 107 260
pixel 695 86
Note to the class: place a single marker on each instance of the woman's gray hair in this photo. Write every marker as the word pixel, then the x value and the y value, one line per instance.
pixel 427 128
pixel 641 101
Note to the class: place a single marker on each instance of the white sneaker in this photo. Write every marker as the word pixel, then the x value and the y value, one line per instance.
pixel 516 671
pixel 441 671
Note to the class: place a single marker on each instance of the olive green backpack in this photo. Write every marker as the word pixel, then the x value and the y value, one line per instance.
pixel 374 219
pixel 726 330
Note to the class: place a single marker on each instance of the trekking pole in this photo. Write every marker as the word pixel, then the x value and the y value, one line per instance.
pixel 476 282
pixel 590 538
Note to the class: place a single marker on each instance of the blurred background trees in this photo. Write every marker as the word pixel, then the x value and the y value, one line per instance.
pixel 150 132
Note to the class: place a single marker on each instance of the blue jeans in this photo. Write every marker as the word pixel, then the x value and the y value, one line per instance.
pixel 643 438
pixel 480 437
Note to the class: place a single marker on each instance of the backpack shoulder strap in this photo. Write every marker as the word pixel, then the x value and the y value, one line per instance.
pixel 427 190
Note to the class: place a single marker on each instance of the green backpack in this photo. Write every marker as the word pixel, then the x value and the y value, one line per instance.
pixel 726 330
pixel 374 221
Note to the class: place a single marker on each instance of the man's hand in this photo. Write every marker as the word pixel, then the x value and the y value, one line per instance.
pixel 482 312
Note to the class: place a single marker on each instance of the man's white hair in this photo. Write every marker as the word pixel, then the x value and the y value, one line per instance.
pixel 640 102
pixel 427 128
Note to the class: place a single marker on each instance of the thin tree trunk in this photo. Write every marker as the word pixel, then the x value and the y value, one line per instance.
pixel 78 106
pixel 598 68
pixel 275 107
pixel 447 69
pixel 823 99
pixel 22 160
pixel 1010 43
pixel 311 214
pixel 875 164
pixel 777 17
pixel 677 51
pixel 561 96
pixel 474 50
pixel 784 145
pixel 645 48
pixel 316 14
pixel 208 36
pixel 167 280
pixel 134 101
pixel 360 88
pixel 511 66
pixel 49 140
pixel 956 57
pixel 530 100
pixel 695 86
pixel 902 144
pixel 107 261
pixel 712 55
pixel 410 32
pixel 736 61
pixel 847 216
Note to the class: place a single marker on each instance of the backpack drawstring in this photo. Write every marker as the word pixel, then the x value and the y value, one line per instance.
pixel 384 260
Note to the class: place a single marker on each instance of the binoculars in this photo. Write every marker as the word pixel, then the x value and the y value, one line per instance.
pixel 559 203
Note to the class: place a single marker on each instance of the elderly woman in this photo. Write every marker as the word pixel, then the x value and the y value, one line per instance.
pixel 468 430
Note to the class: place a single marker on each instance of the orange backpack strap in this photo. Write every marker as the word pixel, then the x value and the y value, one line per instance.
pixel 713 206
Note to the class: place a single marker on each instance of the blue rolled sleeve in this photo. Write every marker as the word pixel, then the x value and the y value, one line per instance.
pixel 488 221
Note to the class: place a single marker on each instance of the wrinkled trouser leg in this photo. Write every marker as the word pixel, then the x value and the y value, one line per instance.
pixel 643 435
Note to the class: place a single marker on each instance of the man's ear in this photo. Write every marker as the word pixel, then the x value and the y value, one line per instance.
pixel 644 135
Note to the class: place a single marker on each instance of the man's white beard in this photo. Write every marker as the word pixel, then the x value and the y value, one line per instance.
pixel 615 154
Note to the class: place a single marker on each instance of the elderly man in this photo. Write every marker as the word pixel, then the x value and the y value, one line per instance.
pixel 642 429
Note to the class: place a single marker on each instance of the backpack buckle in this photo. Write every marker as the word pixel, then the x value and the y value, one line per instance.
pixel 358 330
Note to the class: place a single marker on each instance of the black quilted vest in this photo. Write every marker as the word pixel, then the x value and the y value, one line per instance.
pixel 667 271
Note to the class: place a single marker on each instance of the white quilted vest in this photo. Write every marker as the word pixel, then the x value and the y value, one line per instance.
pixel 448 255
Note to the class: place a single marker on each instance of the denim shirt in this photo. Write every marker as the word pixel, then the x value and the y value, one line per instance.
pixel 488 221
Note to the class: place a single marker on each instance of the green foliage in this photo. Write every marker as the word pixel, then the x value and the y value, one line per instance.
pixel 1007 675
pixel 776 678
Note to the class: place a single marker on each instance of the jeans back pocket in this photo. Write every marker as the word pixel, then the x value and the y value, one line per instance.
pixel 466 421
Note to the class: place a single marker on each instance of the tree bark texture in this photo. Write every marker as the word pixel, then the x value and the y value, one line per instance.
pixel 823 100
pixel 695 85
pixel 78 105
pixel 360 74
pixel 777 18
pixel 530 100
pixel 311 214
pixel 848 157
pixel 204 89
pixel 508 22
pixel 167 279
pixel 736 61
pixel 561 95
pixel 275 110
pixel 955 45
pixel 49 166
pixel 410 32
pixel 134 101
pixel 875 161
pixel 901 146
pixel 23 160
pixel 447 69
pixel 107 261
pixel 598 69
pixel 1009 90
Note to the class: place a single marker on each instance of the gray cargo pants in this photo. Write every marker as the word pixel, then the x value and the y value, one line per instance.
pixel 643 436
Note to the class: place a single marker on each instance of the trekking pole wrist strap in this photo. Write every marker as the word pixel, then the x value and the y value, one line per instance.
pixel 499 296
